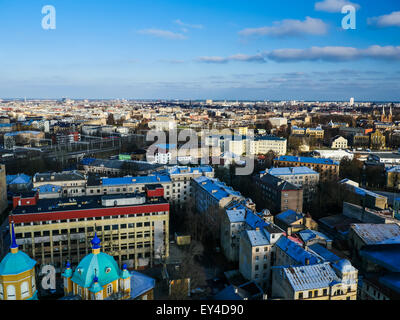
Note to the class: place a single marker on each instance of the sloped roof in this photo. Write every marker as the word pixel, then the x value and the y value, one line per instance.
pixel 311 276
pixel 289 216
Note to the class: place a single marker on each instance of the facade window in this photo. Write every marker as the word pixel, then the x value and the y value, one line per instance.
pixel 109 289
pixel 11 292
pixel 24 289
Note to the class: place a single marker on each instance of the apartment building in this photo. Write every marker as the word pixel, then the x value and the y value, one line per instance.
pixel 72 183
pixel 238 217
pixel 338 142
pixel 181 177
pixel 212 193
pixel 264 144
pixel 317 132
pixel 327 168
pixel 256 253
pixel 325 281
pixel 279 195
pixel 23 138
pixel 128 185
pixel 134 229
pixel 303 177
pixel 3 189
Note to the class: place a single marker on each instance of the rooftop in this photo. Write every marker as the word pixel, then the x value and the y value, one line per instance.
pixel 307 160
pixel 296 252
pixel 311 276
pixel 291 171
pixel 377 233
pixel 82 203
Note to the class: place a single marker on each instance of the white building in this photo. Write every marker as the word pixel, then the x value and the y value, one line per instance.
pixel 339 142
pixel 255 253
pixel 264 144
pixel 277 122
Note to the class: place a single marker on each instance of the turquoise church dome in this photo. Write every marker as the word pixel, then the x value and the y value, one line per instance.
pixel 97 265
pixel 15 262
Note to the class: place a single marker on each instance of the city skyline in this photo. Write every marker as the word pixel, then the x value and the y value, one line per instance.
pixel 203 50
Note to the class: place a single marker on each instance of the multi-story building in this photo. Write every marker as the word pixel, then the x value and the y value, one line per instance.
pixel 393 177
pixel 73 183
pixel 365 236
pixel 134 228
pixel 128 185
pixel 327 168
pixel 237 217
pixel 23 138
pixel 338 142
pixel 365 197
pixel 181 176
pixel 279 195
pixel 3 189
pixel 291 222
pixel 377 140
pixel 317 132
pixel 303 177
pixel 256 253
pixel 264 144
pixel 278 122
pixel 324 281
pixel 212 193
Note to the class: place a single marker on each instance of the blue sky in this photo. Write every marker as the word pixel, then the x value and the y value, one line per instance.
pixel 201 49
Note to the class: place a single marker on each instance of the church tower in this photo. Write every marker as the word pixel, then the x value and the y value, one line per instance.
pixel 17 274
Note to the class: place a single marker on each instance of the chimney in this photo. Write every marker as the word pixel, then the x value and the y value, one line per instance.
pixel 307 261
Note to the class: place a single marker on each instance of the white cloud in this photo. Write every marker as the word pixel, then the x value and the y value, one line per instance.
pixel 328 54
pixel 163 34
pixel 334 5
pixel 335 54
pixel 387 20
pixel 186 25
pixel 289 27
pixel 237 57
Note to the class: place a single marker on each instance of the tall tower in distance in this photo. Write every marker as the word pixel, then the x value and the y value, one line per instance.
pixel 351 102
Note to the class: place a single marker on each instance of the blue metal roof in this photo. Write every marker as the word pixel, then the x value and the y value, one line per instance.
pixel 18 179
pixel 392 281
pixel 48 188
pixel 136 180
pixel 15 133
pixel 387 256
pixel 140 284
pixel 295 251
pixel 216 188
pixel 291 171
pixel 307 160
pixel 185 170
pixel 307 235
pixel 324 253
pixel 289 216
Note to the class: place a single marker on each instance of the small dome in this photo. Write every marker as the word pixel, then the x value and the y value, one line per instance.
pixel 101 265
pixel 16 263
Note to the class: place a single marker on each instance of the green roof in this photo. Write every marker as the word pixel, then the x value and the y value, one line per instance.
pixel 101 265
pixel 16 263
